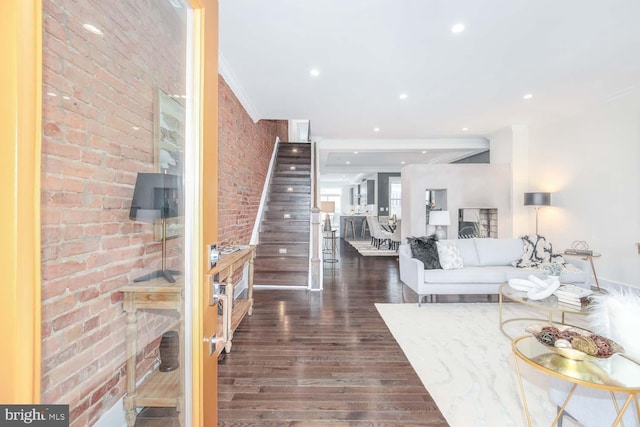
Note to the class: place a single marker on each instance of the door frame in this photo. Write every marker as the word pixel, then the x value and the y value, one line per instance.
pixel 20 154
pixel 20 133
pixel 200 388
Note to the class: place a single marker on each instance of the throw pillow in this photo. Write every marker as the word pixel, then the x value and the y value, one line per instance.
pixel 537 251
pixel 449 255
pixel 424 249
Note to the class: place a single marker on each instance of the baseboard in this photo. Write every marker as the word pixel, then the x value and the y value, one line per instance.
pixel 617 286
pixel 114 417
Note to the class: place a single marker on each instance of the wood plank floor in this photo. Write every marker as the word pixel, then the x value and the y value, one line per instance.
pixel 324 358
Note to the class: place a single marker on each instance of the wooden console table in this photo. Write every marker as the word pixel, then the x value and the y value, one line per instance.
pixel 226 269
pixel 158 388
pixel 165 389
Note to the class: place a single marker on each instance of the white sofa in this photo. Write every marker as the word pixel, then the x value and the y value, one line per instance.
pixel 486 266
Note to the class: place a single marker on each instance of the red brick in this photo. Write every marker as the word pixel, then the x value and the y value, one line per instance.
pixel 54 271
pixel 88 294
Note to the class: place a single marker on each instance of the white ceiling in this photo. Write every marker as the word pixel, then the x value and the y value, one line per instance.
pixel 567 53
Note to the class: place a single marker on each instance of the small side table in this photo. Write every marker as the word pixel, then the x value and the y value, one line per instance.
pixel 590 259
pixel 329 247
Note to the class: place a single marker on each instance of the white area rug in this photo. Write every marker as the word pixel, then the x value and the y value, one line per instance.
pixel 466 363
pixel 365 248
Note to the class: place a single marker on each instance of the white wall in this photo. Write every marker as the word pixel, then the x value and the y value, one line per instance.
pixel 591 164
pixel 511 146
pixel 467 185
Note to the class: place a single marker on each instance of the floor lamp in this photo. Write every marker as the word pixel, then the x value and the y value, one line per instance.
pixel 537 200
pixel 157 196
pixel 327 208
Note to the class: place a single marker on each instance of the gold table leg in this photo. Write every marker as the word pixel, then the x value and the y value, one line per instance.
pixel 524 397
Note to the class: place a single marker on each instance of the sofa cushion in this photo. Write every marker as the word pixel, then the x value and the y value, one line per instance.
pixel 468 252
pixel 448 255
pixel 499 251
pixel 520 273
pixel 465 275
pixel 424 249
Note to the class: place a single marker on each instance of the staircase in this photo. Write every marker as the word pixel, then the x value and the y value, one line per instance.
pixel 282 255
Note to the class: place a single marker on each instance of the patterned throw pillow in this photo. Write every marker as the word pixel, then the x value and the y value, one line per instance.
pixel 449 255
pixel 424 249
pixel 537 251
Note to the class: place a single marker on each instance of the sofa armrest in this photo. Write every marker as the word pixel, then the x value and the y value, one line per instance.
pixel 411 269
pixel 583 265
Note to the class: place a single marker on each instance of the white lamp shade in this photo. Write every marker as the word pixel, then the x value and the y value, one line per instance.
pixel 439 218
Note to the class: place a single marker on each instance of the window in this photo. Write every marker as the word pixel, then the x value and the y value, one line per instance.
pixel 395 197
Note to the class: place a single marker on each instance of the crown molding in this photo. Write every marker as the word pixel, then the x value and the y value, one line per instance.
pixel 236 87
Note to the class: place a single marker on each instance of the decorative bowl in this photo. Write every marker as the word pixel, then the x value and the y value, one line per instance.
pixel 575 343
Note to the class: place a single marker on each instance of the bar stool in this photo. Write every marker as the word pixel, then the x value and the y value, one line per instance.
pixel 364 228
pixel 348 222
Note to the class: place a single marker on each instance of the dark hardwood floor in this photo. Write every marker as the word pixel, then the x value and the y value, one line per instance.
pixel 319 358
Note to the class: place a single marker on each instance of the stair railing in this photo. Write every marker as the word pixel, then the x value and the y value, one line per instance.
pixel 265 192
pixel 315 242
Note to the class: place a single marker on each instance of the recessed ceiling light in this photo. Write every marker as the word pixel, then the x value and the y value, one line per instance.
pixel 92 28
pixel 52 94
pixel 314 72
pixel 465 129
pixel 295 150
pixel 355 152
pixel 135 127
pixel 348 163
pixel 292 168
pixel 65 97
pixel 424 151
pixel 403 162
pixel 376 129
pixel 528 96
pixel 403 96
pixel 457 28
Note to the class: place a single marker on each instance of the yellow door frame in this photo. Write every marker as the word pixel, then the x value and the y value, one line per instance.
pixel 20 156
pixel 20 133
pixel 204 387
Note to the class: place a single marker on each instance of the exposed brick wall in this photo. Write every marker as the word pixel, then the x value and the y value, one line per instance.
pixel 244 153
pixel 97 135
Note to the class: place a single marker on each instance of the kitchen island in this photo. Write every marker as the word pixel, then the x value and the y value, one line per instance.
pixel 357 219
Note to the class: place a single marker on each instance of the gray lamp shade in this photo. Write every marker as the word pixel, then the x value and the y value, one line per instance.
pixel 156 196
pixel 537 199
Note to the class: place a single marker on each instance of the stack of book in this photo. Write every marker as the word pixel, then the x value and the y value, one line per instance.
pixel 573 295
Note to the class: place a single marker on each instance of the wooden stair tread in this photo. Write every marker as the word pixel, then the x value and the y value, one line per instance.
pixel 289 193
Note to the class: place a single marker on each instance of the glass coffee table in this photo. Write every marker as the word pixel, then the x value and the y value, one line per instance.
pixel 549 304
pixel 617 374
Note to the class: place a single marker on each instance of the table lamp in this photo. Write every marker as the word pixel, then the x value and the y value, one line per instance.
pixel 439 218
pixel 157 196
pixel 327 207
pixel 537 199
